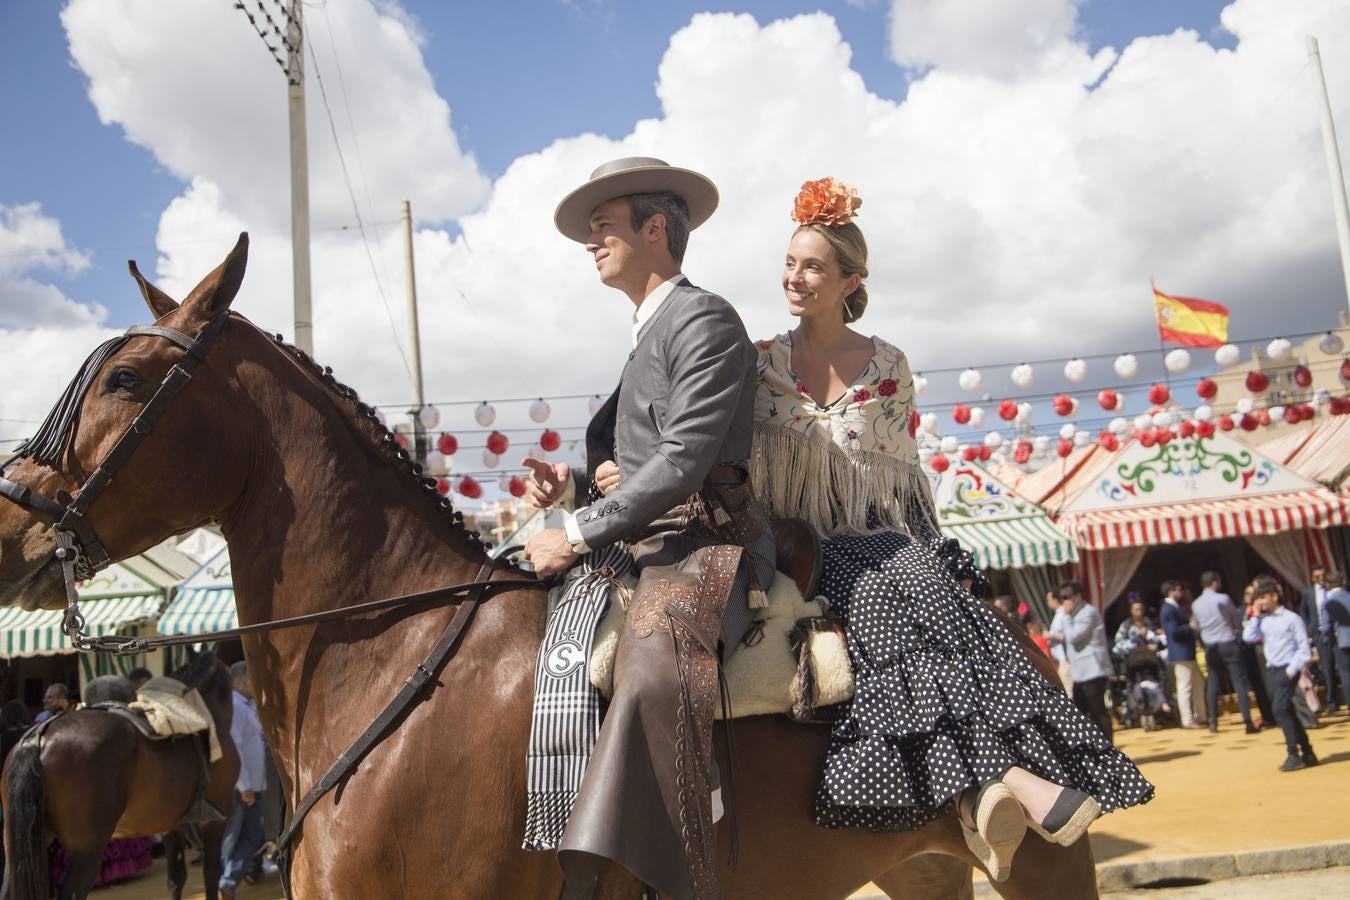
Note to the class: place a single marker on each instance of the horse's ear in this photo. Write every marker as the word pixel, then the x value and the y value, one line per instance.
pixel 160 303
pixel 217 290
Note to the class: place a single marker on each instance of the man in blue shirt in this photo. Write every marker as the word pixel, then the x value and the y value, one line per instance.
pixel 1287 652
pixel 1219 622
pixel 1337 620
pixel 244 831
pixel 1079 630
pixel 1181 657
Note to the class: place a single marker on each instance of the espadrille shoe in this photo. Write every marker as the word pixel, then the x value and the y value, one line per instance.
pixel 1000 826
pixel 1069 818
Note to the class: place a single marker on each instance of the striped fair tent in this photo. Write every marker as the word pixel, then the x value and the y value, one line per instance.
pixel 205 601
pixel 1001 529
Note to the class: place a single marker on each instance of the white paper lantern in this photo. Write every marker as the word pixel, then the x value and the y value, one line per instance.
pixel 435 464
pixel 593 405
pixel 928 422
pixel 1067 430
pixel 1331 343
pixel 1126 365
pixel 1023 376
pixel 949 444
pixel 1279 349
pixel 1081 438
pixel 976 416
pixel 1177 361
pixel 1204 413
pixel 1118 426
pixel 970 380
pixel 1142 421
pixel 1162 419
pixel 920 385
pixel 1276 413
pixel 1024 412
pixel 539 410
pixel 504 484
pixel 1322 397
pixel 1040 443
pixel 490 459
pixel 1227 355
pixel 1075 370
pixel 993 440
pixel 1073 406
pixel 430 417
pixel 1245 405
pixel 484 414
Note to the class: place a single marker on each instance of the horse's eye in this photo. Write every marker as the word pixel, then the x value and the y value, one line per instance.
pixel 123 380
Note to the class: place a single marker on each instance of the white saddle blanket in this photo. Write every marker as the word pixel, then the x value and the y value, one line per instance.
pixel 759 677
pixel 173 708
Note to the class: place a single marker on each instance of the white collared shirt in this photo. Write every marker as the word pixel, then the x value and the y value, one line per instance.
pixel 641 316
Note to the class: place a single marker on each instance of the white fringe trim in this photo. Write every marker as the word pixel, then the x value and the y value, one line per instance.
pixel 800 475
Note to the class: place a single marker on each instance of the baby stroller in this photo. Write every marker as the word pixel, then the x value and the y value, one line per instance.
pixel 1144 701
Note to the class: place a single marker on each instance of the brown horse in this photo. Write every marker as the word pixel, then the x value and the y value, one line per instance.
pixel 321 509
pixel 93 776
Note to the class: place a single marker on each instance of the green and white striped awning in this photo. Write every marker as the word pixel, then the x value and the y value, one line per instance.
pixel 204 602
pixel 1013 543
pixel 38 633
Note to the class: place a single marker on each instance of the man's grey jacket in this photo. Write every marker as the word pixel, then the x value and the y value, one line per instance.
pixel 684 404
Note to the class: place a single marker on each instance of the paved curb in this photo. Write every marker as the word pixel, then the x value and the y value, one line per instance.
pixel 1124 876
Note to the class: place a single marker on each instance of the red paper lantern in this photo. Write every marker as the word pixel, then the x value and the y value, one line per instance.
pixel 970 452
pixel 1108 400
pixel 442 486
pixel 1064 448
pixel 961 413
pixel 447 444
pixel 1206 429
pixel 1263 416
pixel 985 453
pixel 1159 394
pixel 550 440
pixel 1292 414
pixel 1063 404
pixel 1186 429
pixel 1226 423
pixel 1257 382
pixel 1339 406
pixel 1307 412
pixel 469 487
pixel 1249 423
pixel 1007 410
pixel 516 486
pixel 1345 371
pixel 939 463
pixel 1107 441
pixel 1302 377
pixel 1022 452
pixel 497 443
pixel 1164 435
pixel 1148 437
pixel 1207 388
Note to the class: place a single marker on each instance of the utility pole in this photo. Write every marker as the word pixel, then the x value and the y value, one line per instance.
pixel 414 340
pixel 295 72
pixel 1333 166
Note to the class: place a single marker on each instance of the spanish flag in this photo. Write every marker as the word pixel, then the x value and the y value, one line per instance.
pixel 1194 323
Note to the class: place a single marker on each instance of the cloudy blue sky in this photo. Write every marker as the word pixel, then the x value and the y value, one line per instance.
pixel 1026 167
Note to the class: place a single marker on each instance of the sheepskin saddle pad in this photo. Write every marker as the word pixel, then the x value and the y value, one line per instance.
pixel 760 676
pixel 174 709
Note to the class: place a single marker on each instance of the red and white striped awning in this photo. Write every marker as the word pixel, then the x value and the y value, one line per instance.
pixel 1180 523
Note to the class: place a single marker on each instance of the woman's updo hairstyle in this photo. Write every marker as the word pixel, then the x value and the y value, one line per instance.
pixel 827 207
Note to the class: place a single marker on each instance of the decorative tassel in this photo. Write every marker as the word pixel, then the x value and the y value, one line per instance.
pixel 757 598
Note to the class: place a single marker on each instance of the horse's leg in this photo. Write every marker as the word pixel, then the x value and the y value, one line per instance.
pixel 175 862
pixel 1042 869
pixel 929 876
pixel 213 834
pixel 82 867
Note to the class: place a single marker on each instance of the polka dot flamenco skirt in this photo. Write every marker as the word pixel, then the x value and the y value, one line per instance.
pixel 946 699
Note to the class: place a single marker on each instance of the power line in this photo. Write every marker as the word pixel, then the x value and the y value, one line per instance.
pixel 278 34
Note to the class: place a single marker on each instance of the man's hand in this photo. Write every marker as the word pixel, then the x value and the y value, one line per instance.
pixel 547 482
pixel 550 552
pixel 248 797
pixel 607 476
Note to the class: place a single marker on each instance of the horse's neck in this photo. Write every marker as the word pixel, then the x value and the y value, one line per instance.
pixel 326 520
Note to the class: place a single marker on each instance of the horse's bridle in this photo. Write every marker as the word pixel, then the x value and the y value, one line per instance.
pixel 78 548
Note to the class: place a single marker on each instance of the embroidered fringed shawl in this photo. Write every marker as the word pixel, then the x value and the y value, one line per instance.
pixel 851 467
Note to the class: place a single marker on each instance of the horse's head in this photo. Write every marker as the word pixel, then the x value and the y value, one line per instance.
pixel 185 468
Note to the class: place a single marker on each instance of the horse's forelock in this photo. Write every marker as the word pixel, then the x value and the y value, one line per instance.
pixel 57 431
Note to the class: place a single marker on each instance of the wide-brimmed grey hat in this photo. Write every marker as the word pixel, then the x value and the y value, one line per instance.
pixel 634 175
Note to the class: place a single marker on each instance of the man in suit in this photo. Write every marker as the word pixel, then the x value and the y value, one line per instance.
pixel 1181 658
pixel 1322 635
pixel 1220 627
pixel 678 428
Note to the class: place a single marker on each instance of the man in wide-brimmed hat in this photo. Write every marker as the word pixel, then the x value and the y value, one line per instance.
pixel 666 477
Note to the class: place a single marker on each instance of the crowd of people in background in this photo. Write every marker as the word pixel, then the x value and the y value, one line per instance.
pixel 1272 658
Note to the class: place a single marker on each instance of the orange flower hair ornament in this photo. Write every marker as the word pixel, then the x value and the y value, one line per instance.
pixel 826 201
